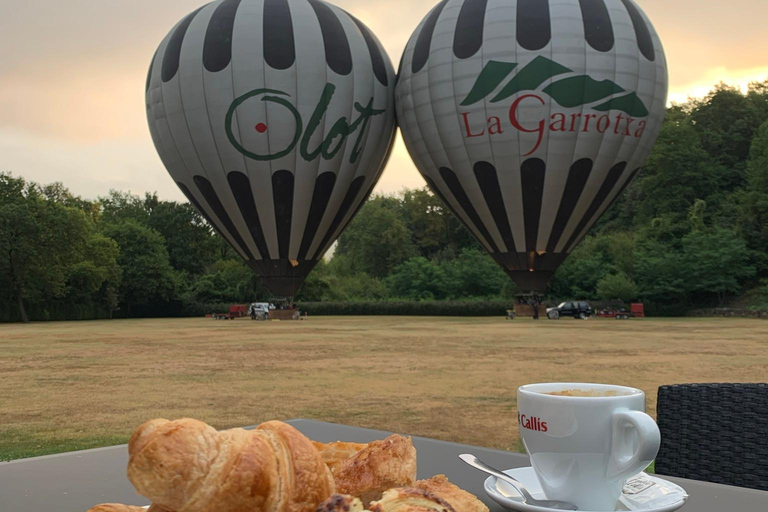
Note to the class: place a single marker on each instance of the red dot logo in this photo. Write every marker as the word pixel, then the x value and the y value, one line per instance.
pixel 261 127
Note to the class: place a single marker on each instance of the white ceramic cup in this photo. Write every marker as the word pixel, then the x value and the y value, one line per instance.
pixel 584 448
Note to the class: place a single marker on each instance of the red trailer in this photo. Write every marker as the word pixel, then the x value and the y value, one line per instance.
pixel 636 310
pixel 236 311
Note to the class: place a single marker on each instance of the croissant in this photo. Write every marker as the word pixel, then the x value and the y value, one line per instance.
pixel 188 466
pixel 341 503
pixel 458 498
pixel 436 494
pixel 338 453
pixel 367 470
pixel 408 499
pixel 119 507
pixel 116 507
pixel 411 500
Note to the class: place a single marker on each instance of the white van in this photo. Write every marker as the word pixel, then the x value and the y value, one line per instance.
pixel 259 310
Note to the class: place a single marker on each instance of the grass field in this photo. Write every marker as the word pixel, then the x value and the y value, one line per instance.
pixel 66 386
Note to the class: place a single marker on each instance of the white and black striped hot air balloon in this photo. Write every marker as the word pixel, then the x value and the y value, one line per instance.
pixel 530 117
pixel 275 118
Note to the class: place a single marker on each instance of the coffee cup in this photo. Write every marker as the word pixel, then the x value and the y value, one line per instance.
pixel 586 440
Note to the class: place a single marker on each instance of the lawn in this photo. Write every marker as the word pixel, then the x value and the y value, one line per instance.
pixel 73 385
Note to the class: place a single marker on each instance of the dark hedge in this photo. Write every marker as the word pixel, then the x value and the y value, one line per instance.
pixel 408 308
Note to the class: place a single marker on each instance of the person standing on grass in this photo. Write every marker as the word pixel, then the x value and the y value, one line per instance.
pixel 534 302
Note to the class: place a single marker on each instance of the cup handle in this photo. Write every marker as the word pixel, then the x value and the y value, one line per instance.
pixel 626 461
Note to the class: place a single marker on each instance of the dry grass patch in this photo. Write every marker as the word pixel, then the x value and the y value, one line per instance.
pixel 72 385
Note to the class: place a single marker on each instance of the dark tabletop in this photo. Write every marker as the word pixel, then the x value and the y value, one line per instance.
pixel 74 482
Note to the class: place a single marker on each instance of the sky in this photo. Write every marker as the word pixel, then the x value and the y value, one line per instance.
pixel 73 74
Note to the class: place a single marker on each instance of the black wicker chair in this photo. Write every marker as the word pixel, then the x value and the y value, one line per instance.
pixel 714 432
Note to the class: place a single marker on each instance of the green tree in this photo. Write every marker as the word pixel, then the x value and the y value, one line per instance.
pixel 473 274
pixel 315 289
pixel 190 242
pixel 752 203
pixel 418 279
pixel 757 298
pixel 40 241
pixel 617 286
pixel 715 262
pixel 227 280
pixel 578 276
pixel 377 240
pixel 147 275
pixel 347 285
pixel 96 277
pixel 435 231
pixel 661 273
pixel 678 172
pixel 58 193
pixel 757 94
pixel 120 206
pixel 726 120
pixel 358 286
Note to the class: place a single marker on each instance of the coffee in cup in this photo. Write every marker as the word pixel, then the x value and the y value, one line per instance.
pixel 584 392
pixel 586 440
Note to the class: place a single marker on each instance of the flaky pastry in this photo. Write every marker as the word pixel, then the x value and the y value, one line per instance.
pixel 188 466
pixel 459 499
pixel 116 507
pixel 367 470
pixel 436 494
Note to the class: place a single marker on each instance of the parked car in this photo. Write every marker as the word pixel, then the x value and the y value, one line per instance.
pixel 259 310
pixel 575 309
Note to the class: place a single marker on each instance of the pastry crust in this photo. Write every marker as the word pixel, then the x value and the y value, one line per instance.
pixel 459 499
pixel 341 503
pixel 311 479
pixel 411 500
pixel 366 471
pixel 119 507
pixel 116 507
pixel 187 466
pixel 335 454
pixel 436 494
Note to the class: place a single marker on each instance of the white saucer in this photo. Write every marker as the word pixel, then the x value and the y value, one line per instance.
pixel 506 496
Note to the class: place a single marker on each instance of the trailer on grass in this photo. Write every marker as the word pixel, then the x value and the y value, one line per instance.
pixel 637 310
pixel 235 311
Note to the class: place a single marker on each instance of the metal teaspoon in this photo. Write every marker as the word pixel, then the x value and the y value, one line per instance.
pixel 527 498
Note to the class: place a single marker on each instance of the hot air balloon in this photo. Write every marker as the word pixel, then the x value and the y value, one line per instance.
pixel 275 118
pixel 528 118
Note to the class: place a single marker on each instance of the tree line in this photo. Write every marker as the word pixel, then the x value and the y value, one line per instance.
pixel 690 231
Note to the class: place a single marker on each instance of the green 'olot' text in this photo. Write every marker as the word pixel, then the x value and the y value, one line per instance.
pixel 329 147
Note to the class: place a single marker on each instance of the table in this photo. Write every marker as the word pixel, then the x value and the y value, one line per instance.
pixel 74 482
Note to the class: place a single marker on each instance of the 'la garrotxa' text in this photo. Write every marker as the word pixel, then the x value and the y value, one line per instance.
pixel 618 124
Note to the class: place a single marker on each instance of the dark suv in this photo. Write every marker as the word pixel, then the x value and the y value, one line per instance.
pixel 575 309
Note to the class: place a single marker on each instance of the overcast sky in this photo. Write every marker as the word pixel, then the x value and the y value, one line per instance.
pixel 73 72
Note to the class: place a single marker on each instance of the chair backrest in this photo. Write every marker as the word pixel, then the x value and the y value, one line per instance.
pixel 714 432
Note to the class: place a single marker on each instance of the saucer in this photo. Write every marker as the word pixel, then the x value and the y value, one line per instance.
pixel 506 496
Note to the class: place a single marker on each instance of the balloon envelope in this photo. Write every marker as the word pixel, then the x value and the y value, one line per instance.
pixel 275 118
pixel 530 117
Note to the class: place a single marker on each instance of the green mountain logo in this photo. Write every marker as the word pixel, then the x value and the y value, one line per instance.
pixel 568 92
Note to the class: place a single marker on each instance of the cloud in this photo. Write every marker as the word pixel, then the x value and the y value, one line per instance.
pixel 72 80
pixel 80 100
pixel 88 169
pixel 700 86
